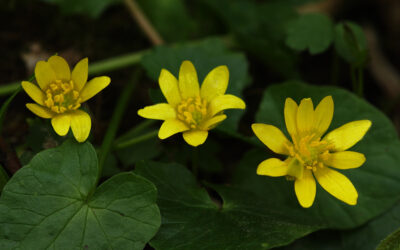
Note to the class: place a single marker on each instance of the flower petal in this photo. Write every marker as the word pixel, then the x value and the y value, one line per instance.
pixel 93 87
pixel 337 185
pixel 34 92
pixel 80 125
pixel 61 123
pixel 188 81
pixel 171 127
pixel 344 160
pixel 305 116
pixel 60 67
pixel 290 112
pixel 40 111
pixel 223 102
pixel 213 122
pixel 305 189
pixel 161 111
pixel 169 87
pixel 272 167
pixel 195 137
pixel 215 83
pixel 348 135
pixel 44 74
pixel 323 115
pixel 80 73
pixel 272 137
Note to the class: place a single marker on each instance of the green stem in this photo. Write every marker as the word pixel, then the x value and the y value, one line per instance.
pixel 116 119
pixel 136 140
pixel 360 82
pixel 115 63
pixel 357 80
pixel 134 131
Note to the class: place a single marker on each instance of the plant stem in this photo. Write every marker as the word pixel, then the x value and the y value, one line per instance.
pixel 114 63
pixel 143 22
pixel 116 119
pixel 357 80
pixel 136 140
pixel 134 131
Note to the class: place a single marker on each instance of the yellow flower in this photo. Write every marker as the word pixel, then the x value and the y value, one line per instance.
pixel 310 156
pixel 60 94
pixel 191 109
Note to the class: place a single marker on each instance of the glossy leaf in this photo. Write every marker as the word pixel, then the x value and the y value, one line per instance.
pixel 311 31
pixel 191 220
pixel 53 203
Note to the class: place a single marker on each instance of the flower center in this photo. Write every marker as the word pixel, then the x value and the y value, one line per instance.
pixel 61 97
pixel 309 151
pixel 192 111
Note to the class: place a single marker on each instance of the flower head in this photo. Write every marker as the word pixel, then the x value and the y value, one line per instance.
pixel 60 94
pixel 191 109
pixel 309 155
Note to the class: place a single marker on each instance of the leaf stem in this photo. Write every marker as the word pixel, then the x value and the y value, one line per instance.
pixel 116 119
pixel 357 80
pixel 136 140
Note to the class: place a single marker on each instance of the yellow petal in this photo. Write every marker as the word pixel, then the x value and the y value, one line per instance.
pixel 188 82
pixel 169 87
pixel 171 127
pixel 40 111
pixel 93 87
pixel 272 137
pixel 34 92
pixel 223 102
pixel 60 67
pixel 272 167
pixel 290 112
pixel 305 116
pixel 80 125
pixel 161 111
pixel 323 115
pixel 195 137
pixel 44 74
pixel 61 123
pixel 348 135
pixel 305 189
pixel 213 122
pixel 215 83
pixel 337 185
pixel 80 73
pixel 344 160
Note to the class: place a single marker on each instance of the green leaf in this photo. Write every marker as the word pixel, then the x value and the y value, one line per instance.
pixel 377 181
pixel 351 44
pixel 191 220
pixel 48 204
pixel 392 242
pixel 205 56
pixel 93 8
pixel 311 31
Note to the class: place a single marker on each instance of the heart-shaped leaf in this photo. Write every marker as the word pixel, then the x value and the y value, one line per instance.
pixel 53 203
pixel 191 220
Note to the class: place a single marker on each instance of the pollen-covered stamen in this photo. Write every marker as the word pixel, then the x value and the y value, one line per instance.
pixel 192 111
pixel 310 151
pixel 62 96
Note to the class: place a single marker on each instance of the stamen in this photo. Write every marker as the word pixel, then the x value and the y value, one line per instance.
pixel 192 111
pixel 61 96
